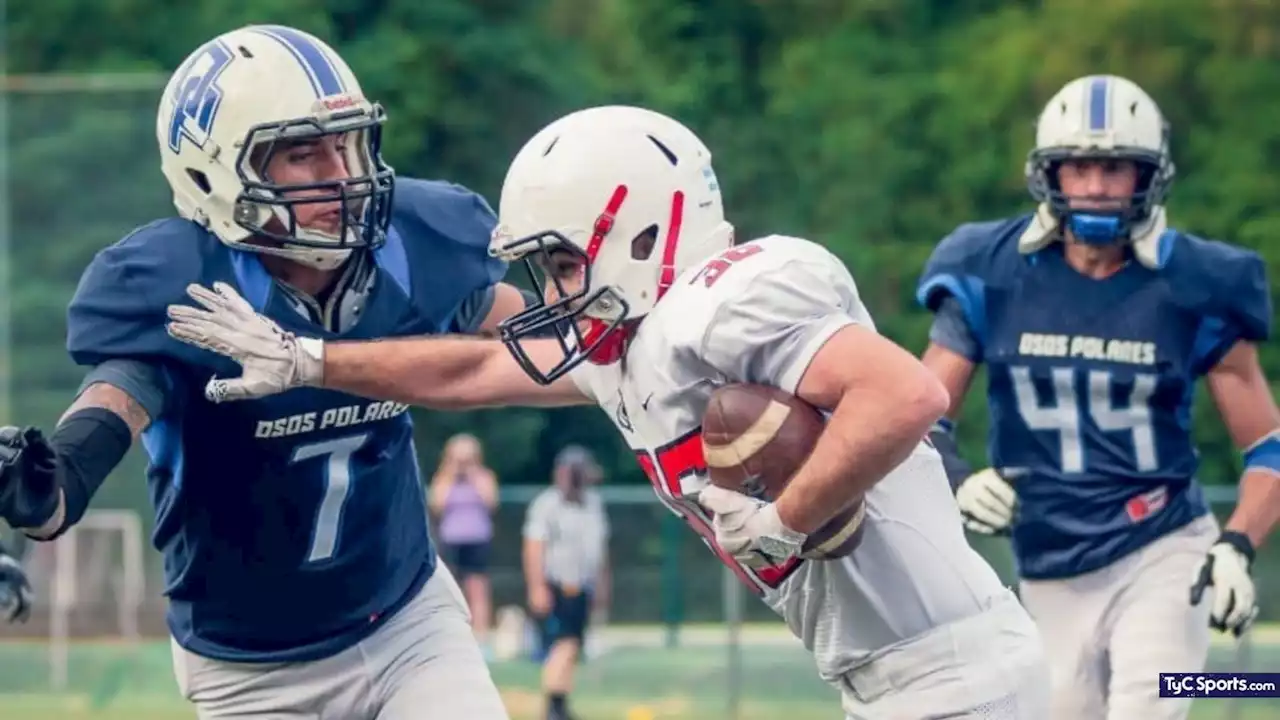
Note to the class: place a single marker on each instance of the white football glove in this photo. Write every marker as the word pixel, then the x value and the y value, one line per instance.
pixel 1226 569
pixel 273 360
pixel 987 502
pixel 750 529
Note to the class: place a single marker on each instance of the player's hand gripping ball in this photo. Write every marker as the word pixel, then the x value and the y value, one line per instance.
pixel 754 438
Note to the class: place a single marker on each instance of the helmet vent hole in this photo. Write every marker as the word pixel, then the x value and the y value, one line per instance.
pixel 643 244
pixel 550 146
pixel 201 180
pixel 671 157
pixel 244 51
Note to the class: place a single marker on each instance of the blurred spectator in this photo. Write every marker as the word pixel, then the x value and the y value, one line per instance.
pixel 566 537
pixel 463 496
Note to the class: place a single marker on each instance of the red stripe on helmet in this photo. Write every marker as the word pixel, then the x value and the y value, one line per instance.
pixel 668 275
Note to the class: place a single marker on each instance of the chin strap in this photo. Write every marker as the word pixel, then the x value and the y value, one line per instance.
pixel 1148 240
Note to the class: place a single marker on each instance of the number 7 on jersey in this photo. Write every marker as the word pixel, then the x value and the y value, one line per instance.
pixel 337 486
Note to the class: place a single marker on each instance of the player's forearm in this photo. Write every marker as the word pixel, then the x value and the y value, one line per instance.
pixel 91 439
pixel 953 370
pixel 54 525
pixel 443 373
pixel 1258 508
pixel 857 449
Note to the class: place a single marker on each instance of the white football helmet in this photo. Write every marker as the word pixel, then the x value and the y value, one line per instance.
pixel 631 194
pixel 247 94
pixel 1100 116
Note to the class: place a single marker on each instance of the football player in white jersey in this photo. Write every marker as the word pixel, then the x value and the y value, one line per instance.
pixel 617 214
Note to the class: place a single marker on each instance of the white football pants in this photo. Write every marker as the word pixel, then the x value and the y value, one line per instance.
pixel 1110 633
pixel 990 666
pixel 422 664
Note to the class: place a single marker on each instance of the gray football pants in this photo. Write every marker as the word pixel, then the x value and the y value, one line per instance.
pixel 422 664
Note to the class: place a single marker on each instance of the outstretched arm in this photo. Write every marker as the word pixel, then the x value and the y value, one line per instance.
pixel 441 372
pixel 444 372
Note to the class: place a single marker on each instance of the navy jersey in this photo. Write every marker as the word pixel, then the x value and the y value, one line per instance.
pixel 290 525
pixel 1090 382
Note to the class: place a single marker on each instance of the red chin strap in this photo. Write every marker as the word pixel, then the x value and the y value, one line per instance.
pixel 615 346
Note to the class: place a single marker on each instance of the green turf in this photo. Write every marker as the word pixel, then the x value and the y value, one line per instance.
pixel 638 680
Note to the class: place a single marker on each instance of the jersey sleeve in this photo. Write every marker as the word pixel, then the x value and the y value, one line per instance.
pixel 445 230
pixel 119 308
pixel 956 270
pixel 1228 291
pixel 951 330
pixel 472 311
pixel 769 330
pixel 148 383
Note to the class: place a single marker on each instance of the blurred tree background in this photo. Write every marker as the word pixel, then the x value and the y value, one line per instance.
pixel 872 126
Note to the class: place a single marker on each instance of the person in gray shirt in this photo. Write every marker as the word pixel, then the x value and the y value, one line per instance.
pixel 566 536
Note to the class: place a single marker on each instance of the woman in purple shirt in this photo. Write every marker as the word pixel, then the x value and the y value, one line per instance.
pixel 463 496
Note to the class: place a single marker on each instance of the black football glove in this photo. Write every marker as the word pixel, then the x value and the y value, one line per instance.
pixel 28 477
pixel 15 589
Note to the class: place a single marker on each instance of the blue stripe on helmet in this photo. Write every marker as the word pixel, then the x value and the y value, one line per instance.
pixel 1098 104
pixel 324 77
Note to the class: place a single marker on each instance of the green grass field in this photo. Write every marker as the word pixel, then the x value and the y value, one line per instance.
pixel 635 679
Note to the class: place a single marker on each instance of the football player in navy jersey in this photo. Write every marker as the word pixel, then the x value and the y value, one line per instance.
pixel 300 575
pixel 1095 320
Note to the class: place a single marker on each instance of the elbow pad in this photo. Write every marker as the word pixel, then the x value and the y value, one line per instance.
pixel 89 444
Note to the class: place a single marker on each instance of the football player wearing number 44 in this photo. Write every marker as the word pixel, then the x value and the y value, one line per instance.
pixel 1095 321
pixel 617 214
pixel 300 574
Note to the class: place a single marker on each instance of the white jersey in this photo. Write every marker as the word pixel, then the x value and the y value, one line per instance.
pixel 758 313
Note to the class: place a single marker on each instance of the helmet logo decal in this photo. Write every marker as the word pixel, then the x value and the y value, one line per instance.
pixel 197 97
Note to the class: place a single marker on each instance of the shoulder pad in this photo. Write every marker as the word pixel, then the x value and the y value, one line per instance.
pixel 438 250
pixel 1221 281
pixel 972 258
pixel 981 253
pixel 119 307
pixel 764 325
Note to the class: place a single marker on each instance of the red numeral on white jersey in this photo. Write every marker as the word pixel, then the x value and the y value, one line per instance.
pixel 665 468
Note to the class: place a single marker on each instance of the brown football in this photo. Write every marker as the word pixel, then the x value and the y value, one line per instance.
pixel 754 438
